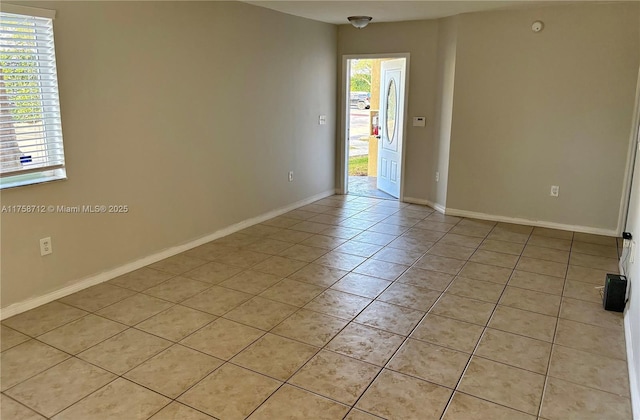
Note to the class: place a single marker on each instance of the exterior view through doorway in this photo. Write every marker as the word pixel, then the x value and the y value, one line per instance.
pixel 375 102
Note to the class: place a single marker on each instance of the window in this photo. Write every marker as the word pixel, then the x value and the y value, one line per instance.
pixel 31 148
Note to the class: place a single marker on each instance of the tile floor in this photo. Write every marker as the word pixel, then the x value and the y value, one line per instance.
pixel 366 186
pixel 351 308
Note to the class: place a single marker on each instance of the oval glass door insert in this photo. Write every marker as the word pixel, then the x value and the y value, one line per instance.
pixel 391 110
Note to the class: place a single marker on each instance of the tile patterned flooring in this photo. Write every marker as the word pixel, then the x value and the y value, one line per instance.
pixel 348 308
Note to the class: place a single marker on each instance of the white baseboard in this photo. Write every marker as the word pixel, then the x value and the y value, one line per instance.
pixel 438 207
pixel 633 379
pixel 538 223
pixel 34 302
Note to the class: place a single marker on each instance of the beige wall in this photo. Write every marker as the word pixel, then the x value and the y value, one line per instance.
pixel 192 114
pixel 419 39
pixel 533 110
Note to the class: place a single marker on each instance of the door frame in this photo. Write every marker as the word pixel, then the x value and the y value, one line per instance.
pixel 343 167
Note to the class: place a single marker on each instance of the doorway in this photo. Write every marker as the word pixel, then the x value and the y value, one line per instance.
pixel 374 125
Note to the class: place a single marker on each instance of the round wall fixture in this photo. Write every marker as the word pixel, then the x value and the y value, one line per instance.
pixel 537 26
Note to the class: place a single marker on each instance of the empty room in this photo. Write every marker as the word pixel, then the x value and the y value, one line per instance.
pixel 319 210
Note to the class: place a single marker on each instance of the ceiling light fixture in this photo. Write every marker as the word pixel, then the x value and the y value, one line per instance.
pixel 359 21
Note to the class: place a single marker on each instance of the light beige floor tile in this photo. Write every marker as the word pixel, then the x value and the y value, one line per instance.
pixel 410 296
pixel 292 236
pixel 465 407
pixel 118 400
pixel 318 274
pixel 281 222
pixel 504 385
pixel 10 338
pixel 299 214
pixel 548 268
pixel 268 246
pixel 323 241
pixel 434 225
pixel 57 388
pixel 250 281
pixel 382 269
pixel 361 285
pixel 529 324
pixel 217 300
pixel 339 304
pixel 463 309
pixel 607 342
pixel 502 246
pixel 310 227
pixel 589 313
pixel 360 415
pixel 475 231
pixel 448 332
pixel 476 289
pixel 178 264
pixel 460 240
pixel 398 256
pixel 396 396
pixel 392 318
pixel 338 377
pixel 564 400
pixel 182 365
pixel 548 254
pixel 10 409
pixel 26 360
pixel 537 282
pixel 530 300
pixel 340 260
pixel 587 275
pixel 231 392
pixel 236 240
pixel 553 233
pixel 361 249
pixel 124 351
pixel 177 411
pixel 408 243
pixel 279 266
pixel 212 272
pixel 310 327
pixel 219 248
pixel 609 251
pixel 451 251
pixel 81 334
pixel 242 258
pixel 141 279
pixel 44 318
pixel 365 343
pixel 440 264
pixel 430 362
pixel 555 243
pixel 134 309
pixel 515 350
pixel 342 232
pixel 495 258
pixel 591 261
pixel 428 279
pixel 261 313
pixel 176 323
pixel 97 297
pixel 275 356
pixel 582 291
pixel 177 289
pixel 594 239
pixel 587 369
pixel 289 402
pixel 507 236
pixel 303 253
pixel 292 292
pixel 222 338
pixel 375 238
pixel 486 272
pixel 260 230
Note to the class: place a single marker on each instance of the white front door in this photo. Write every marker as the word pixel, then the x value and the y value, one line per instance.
pixel 392 77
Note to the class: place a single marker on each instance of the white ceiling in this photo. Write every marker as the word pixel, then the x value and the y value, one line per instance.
pixel 336 12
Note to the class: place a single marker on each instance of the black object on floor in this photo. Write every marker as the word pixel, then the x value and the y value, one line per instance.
pixel 615 290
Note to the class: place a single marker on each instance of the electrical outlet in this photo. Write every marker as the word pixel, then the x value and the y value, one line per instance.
pixel 437 176
pixel 290 176
pixel 45 247
pixel 555 191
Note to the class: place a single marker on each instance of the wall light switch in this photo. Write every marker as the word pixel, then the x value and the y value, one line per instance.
pixel 419 121
pixel 322 119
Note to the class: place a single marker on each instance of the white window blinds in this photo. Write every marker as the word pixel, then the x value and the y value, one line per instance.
pixel 30 127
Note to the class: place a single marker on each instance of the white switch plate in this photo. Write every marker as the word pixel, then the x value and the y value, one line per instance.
pixel 555 191
pixel 290 176
pixel 322 120
pixel 437 176
pixel 419 121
